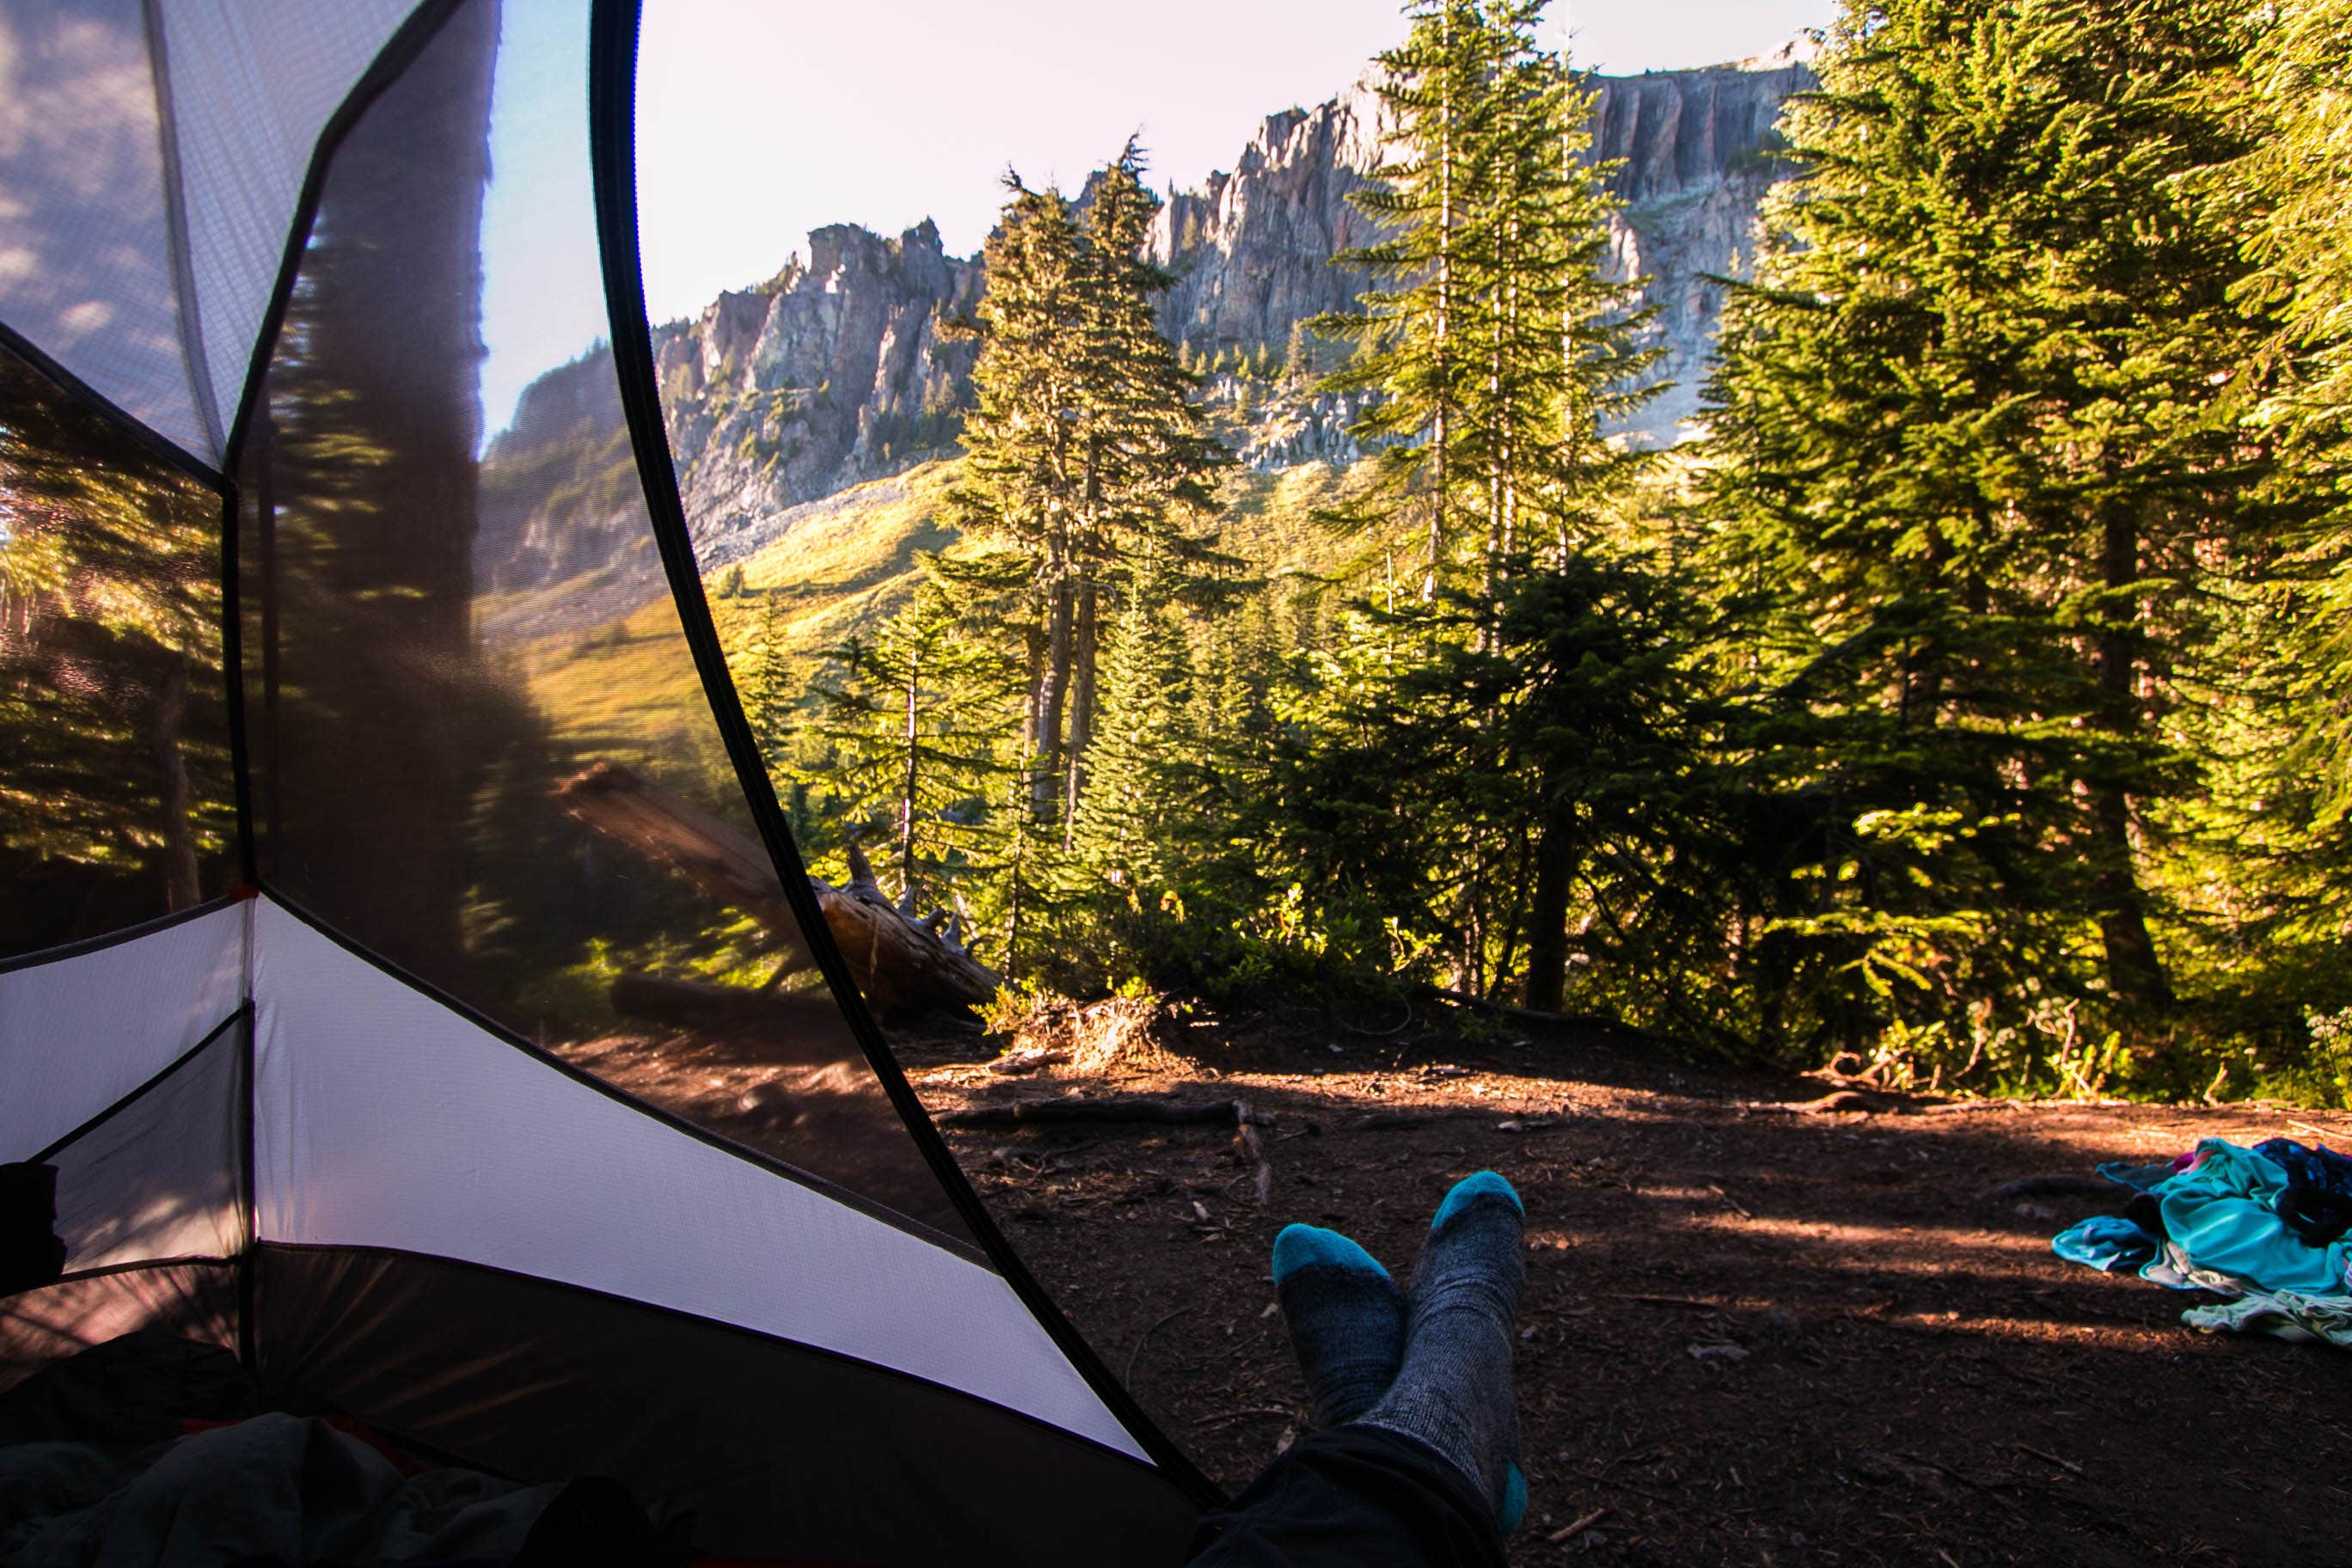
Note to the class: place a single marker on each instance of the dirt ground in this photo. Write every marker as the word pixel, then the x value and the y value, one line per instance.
pixel 1751 1334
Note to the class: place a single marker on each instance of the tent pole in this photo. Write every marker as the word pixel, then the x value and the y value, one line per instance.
pixel 611 138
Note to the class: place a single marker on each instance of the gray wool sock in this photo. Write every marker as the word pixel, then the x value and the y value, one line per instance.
pixel 1453 1391
pixel 1346 1319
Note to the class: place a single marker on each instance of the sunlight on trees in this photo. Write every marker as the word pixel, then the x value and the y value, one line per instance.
pixel 1969 699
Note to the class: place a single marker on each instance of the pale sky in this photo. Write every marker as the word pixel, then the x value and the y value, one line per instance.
pixel 759 119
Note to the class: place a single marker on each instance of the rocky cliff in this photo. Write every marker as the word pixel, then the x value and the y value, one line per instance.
pixel 838 369
pixel 1695 151
pixel 1694 156
pixel 835 371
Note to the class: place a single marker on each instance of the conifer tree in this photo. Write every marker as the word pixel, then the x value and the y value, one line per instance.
pixel 762 664
pixel 1502 354
pixel 2297 181
pixel 911 715
pixel 1148 464
pixel 1084 451
pixel 1414 341
pixel 1966 421
pixel 1563 362
pixel 1020 481
pixel 1135 802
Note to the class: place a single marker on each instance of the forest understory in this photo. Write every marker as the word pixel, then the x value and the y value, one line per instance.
pixel 1756 1329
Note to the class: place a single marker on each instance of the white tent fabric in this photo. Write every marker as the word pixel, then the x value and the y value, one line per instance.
pixel 86 270
pixel 383 1119
pixel 252 84
pixel 78 1033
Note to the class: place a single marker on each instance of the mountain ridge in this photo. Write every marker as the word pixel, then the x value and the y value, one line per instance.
pixel 837 370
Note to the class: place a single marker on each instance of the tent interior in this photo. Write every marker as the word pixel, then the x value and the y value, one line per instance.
pixel 301 936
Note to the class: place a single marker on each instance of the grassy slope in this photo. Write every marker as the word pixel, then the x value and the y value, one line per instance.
pixel 845 563
pixel 627 688
pixel 1269 520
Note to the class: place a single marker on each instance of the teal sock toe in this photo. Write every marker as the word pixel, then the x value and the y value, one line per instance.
pixel 1304 1246
pixel 1346 1317
pixel 1515 1500
pixel 1468 1191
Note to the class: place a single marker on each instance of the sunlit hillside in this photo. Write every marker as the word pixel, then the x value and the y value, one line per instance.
pixel 836 567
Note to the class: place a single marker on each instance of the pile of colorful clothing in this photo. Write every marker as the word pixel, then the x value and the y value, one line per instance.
pixel 2266 1227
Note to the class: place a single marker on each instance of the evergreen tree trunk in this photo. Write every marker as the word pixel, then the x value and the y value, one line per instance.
pixel 1032 715
pixel 912 739
pixel 1474 932
pixel 1555 870
pixel 1085 637
pixel 1442 325
pixel 2134 969
pixel 1018 869
pixel 1440 433
pixel 1053 695
pixel 2135 972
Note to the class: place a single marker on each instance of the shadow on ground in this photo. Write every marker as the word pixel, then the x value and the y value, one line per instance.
pixel 1750 1335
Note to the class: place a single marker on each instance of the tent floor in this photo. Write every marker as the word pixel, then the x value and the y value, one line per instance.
pixel 1912 1370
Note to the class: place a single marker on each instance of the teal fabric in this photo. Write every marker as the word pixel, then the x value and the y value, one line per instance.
pixel 2102 1241
pixel 2223 1213
pixel 1514 1500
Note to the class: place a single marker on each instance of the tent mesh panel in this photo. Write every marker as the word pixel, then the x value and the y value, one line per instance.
pixel 117 802
pixel 438 656
pixel 156 1177
pixel 84 232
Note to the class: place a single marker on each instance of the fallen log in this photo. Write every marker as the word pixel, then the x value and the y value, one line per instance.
pixel 691 1004
pixel 899 964
pixel 1110 1107
pixel 731 867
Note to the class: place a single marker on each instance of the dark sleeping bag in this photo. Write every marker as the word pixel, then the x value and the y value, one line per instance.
pixel 149 1452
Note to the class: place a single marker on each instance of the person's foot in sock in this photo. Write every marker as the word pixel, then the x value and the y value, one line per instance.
pixel 1346 1317
pixel 1453 1391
